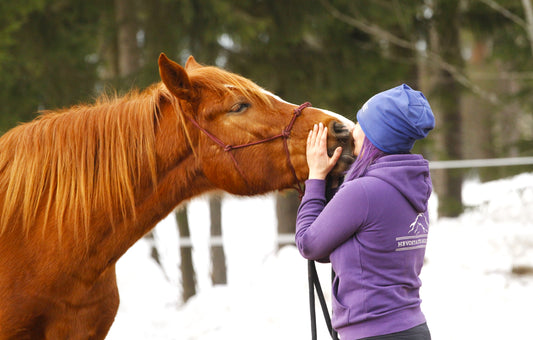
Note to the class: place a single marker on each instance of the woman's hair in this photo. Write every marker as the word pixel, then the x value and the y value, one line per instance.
pixel 368 155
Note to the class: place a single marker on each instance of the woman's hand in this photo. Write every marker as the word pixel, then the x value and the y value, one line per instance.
pixel 320 164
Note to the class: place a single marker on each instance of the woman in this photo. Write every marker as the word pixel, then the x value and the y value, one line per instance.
pixel 374 229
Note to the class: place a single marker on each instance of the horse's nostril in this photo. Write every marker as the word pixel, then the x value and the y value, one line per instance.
pixel 340 130
pixel 338 127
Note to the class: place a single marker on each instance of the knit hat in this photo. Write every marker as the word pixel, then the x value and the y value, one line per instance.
pixel 394 119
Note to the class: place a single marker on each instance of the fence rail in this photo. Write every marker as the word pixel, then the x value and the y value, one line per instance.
pixel 218 241
pixel 480 163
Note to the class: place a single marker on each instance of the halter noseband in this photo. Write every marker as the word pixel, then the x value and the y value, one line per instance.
pixel 285 134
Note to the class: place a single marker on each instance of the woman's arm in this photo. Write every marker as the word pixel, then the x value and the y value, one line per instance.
pixel 321 227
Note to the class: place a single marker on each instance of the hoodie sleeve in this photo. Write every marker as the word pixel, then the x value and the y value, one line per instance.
pixel 321 227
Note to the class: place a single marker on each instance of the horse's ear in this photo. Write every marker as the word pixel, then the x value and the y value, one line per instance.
pixel 192 64
pixel 175 78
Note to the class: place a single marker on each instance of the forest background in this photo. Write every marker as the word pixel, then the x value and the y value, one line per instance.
pixel 471 58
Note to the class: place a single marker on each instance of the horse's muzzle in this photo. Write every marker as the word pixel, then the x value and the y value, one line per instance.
pixel 339 135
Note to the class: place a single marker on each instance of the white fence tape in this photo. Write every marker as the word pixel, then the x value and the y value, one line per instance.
pixel 285 238
pixel 217 241
pixel 480 163
pixel 214 241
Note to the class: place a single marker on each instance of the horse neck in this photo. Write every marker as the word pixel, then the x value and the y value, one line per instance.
pixel 122 166
pixel 179 178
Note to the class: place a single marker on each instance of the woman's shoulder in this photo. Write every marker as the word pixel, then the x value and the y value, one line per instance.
pixel 368 186
pixel 363 182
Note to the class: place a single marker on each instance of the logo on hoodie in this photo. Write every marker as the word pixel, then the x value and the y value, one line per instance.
pixel 417 235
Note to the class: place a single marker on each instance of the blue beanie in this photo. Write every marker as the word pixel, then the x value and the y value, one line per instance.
pixel 394 119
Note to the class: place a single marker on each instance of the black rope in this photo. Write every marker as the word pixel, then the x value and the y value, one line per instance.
pixel 332 184
pixel 311 280
pixel 314 283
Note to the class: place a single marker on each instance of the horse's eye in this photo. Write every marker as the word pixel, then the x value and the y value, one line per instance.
pixel 239 108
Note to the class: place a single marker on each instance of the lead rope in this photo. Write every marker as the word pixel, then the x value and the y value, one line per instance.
pixel 314 284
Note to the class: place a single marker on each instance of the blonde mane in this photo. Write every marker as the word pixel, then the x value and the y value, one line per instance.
pixel 74 161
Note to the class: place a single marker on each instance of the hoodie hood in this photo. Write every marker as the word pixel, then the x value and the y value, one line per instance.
pixel 409 174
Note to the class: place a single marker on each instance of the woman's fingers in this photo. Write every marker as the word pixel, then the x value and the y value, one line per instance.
pixel 320 164
pixel 317 129
pixel 336 155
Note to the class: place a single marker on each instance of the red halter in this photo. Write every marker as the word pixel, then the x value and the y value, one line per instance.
pixel 285 134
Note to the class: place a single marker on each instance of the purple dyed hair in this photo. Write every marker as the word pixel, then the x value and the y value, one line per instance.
pixel 368 155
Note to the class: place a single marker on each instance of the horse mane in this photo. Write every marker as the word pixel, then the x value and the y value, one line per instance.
pixel 73 161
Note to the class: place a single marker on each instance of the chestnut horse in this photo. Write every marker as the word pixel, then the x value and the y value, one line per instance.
pixel 79 186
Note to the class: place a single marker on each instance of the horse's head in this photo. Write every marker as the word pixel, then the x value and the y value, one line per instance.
pixel 247 140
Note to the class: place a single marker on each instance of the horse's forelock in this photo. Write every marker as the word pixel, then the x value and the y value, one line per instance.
pixel 224 82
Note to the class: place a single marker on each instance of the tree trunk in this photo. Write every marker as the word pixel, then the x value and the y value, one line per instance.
pixel 218 258
pixel 479 115
pixel 446 98
pixel 127 28
pixel 153 252
pixel 188 275
pixel 287 203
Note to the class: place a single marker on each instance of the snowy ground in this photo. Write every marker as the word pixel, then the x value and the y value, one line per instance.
pixel 469 290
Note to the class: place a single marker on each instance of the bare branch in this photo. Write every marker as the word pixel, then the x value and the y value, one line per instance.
pixel 529 16
pixel 506 13
pixel 431 56
pixel 527 25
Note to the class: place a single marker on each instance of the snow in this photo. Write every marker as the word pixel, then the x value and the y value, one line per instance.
pixel 469 290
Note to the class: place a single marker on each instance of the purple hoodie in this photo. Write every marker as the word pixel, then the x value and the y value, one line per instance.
pixel 374 232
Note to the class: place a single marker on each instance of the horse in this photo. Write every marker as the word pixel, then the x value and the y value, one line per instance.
pixel 79 186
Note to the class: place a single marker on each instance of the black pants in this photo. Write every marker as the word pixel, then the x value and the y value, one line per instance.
pixel 420 332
